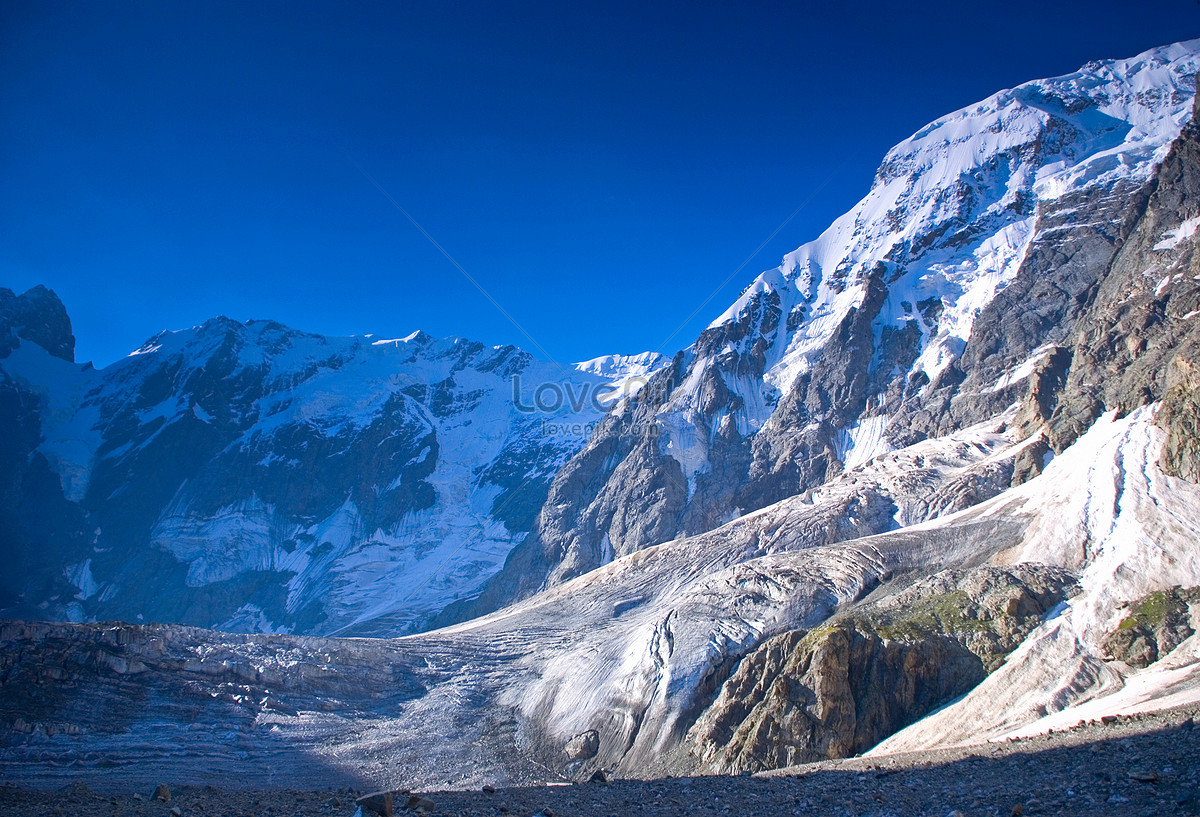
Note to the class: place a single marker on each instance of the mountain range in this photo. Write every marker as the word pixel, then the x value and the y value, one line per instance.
pixel 254 478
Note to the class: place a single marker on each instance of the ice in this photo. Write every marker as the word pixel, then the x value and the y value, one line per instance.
pixel 861 441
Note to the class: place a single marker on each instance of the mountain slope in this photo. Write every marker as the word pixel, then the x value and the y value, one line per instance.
pixel 943 297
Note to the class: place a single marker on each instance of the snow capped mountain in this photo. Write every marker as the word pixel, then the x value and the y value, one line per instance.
pixel 954 208
pixel 252 477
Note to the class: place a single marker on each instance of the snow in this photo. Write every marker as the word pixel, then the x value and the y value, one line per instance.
pixel 1173 238
pixel 339 387
pixel 69 439
pixel 1022 370
pixel 80 575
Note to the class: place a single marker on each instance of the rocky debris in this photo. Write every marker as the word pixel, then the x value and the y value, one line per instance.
pixel 1143 775
pixel 839 689
pixel 1156 624
pixel 162 793
pixel 416 802
pixel 583 746
pixel 1081 772
pixel 384 803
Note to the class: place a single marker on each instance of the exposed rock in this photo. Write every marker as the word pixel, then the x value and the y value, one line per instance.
pixel 1143 775
pixel 1180 416
pixel 1156 624
pixel 162 793
pixel 380 802
pixel 418 803
pixel 837 690
pixel 827 694
pixel 1139 338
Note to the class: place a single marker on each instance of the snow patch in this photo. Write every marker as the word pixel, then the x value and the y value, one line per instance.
pixel 1173 238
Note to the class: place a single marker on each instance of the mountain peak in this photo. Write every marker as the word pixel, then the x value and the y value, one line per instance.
pixel 38 316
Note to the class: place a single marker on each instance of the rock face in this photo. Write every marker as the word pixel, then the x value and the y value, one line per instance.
pixel 839 689
pixel 252 477
pixel 953 290
pixel 1139 338
pixel 40 530
pixel 583 746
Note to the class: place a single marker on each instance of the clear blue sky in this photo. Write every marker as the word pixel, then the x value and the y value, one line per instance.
pixel 600 168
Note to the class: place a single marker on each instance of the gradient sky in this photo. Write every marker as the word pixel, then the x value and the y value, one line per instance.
pixel 599 168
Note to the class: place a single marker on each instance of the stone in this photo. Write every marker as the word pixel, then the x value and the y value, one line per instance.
pixel 380 802
pixel 418 803
pixel 162 793
pixel 489 789
pixel 1143 775
pixel 583 746
pixel 598 776
pixel 176 811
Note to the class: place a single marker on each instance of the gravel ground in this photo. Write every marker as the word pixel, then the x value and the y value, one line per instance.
pixel 1142 765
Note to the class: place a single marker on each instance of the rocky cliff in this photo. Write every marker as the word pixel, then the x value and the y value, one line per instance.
pixel 839 689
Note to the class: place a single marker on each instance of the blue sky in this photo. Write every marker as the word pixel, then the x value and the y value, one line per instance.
pixel 600 169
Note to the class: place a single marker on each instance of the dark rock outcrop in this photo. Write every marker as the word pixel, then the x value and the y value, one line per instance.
pixel 1139 337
